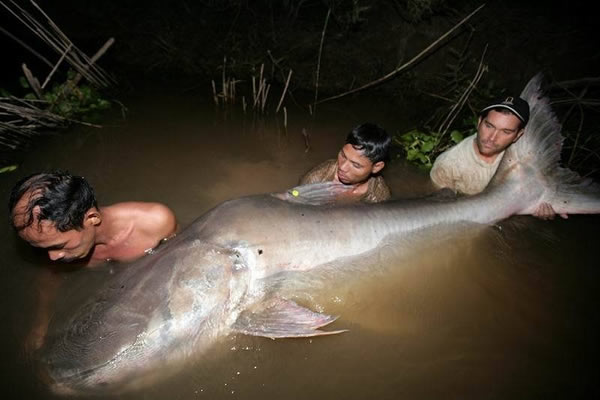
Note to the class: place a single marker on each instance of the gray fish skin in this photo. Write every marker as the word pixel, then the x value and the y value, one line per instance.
pixel 214 278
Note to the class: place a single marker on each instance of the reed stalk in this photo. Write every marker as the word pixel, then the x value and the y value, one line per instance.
pixel 253 89
pixel 455 110
pixel 314 109
pixel 261 87
pixel 232 90
pixel 287 83
pixel 56 66
pixel 33 81
pixel 306 140
pixel 264 98
pixel 214 89
pixel 60 43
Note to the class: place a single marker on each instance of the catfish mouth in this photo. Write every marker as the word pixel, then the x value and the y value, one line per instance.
pixel 62 382
pixel 66 376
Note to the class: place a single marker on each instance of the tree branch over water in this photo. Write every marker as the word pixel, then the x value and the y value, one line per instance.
pixel 407 64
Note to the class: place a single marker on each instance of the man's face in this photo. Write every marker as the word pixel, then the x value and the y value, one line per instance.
pixel 354 167
pixel 496 131
pixel 66 246
pixel 61 246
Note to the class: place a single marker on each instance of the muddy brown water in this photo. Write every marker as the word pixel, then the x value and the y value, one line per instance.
pixel 509 311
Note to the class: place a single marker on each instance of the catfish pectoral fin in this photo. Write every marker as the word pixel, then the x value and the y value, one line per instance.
pixel 282 318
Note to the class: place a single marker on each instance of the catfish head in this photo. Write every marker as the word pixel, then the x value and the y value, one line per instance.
pixel 148 320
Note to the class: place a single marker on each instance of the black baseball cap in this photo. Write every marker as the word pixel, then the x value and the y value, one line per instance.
pixel 515 104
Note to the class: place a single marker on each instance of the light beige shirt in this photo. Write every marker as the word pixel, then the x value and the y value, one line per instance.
pixel 460 169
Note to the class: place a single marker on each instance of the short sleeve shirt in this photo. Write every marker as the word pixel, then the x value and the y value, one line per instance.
pixel 460 169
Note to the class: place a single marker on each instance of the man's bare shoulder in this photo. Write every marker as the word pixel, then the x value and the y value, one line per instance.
pixel 154 219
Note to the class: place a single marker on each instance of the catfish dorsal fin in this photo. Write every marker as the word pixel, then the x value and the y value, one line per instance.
pixel 282 318
pixel 317 194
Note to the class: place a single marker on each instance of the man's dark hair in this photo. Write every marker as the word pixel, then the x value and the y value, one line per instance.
pixel 372 140
pixel 62 198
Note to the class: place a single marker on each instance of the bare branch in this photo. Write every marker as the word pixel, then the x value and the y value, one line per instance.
pixel 407 64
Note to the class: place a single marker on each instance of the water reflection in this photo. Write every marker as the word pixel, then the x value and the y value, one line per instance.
pixel 506 311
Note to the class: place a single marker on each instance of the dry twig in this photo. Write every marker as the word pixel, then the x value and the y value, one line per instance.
pixel 405 65
pixel 287 82
pixel 314 108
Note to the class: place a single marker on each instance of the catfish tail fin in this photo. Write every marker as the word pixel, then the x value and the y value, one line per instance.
pixel 539 149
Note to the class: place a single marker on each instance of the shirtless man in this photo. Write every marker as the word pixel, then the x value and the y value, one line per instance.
pixel 358 164
pixel 58 212
pixel 468 167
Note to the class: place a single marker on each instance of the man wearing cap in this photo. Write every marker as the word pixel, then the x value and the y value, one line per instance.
pixel 469 166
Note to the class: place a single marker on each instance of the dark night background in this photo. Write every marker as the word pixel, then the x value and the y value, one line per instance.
pixel 182 43
pixel 179 47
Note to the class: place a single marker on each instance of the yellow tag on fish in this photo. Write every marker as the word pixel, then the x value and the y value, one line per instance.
pixel 295 193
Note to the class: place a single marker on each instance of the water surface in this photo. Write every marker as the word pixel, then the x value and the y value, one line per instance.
pixel 503 312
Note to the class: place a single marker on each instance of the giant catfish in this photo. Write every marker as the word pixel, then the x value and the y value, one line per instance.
pixel 221 274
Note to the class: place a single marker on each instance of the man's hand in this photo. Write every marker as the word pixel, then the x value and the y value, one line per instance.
pixel 34 339
pixel 545 211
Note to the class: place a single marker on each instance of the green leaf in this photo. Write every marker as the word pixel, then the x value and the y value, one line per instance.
pixel 427 146
pixel 408 136
pixel 8 168
pixel 456 136
pixel 412 154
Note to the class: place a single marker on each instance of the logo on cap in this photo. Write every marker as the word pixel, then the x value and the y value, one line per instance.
pixel 509 100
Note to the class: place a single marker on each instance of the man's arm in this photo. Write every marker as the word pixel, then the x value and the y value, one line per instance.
pixel 442 179
pixel 441 175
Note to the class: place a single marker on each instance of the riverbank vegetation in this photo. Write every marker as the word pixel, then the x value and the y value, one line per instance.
pixel 70 92
pixel 436 60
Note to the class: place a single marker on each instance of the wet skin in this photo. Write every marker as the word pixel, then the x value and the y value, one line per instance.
pixel 354 168
pixel 495 132
pixel 74 244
